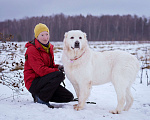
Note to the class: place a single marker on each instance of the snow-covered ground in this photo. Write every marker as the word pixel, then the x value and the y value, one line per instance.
pixel 20 106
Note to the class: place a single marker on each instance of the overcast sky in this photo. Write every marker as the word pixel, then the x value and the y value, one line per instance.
pixel 17 9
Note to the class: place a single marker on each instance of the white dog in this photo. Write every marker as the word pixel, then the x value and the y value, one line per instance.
pixel 84 68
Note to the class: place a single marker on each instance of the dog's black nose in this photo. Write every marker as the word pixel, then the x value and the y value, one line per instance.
pixel 77 44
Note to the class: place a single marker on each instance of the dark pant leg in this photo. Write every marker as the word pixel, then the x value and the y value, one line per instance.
pixel 62 95
pixel 46 86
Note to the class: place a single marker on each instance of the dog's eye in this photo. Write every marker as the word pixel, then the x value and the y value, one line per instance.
pixel 72 37
pixel 80 37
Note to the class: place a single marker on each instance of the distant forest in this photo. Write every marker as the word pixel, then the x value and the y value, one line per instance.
pixel 97 28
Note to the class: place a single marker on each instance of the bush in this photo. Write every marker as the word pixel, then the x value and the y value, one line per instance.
pixel 11 64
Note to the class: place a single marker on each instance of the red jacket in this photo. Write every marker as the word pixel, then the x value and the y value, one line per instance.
pixel 38 62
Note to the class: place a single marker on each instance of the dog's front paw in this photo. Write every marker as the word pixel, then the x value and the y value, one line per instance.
pixel 77 107
pixel 115 111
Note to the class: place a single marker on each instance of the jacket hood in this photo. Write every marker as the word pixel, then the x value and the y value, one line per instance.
pixel 28 44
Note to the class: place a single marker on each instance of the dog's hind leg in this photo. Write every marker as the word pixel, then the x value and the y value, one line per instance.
pixel 121 102
pixel 129 99
pixel 120 88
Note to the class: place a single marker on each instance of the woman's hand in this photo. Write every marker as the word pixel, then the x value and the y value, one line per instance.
pixel 61 68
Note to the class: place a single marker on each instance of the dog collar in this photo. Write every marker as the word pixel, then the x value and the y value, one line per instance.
pixel 72 60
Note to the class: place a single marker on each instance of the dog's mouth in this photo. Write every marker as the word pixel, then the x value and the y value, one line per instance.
pixel 76 45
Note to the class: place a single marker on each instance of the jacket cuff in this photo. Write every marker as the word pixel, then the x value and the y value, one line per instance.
pixel 56 66
pixel 56 69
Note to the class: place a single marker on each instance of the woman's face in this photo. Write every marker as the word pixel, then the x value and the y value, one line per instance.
pixel 43 37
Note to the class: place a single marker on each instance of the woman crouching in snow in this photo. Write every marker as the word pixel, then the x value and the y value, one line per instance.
pixel 41 75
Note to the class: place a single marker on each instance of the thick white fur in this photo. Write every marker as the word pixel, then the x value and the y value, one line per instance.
pixel 95 68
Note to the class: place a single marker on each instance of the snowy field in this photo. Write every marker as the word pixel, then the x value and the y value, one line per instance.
pixel 20 106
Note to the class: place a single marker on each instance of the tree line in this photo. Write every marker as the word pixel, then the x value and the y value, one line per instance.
pixel 97 28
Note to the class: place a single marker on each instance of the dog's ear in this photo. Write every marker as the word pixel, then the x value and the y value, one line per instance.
pixel 84 35
pixel 66 47
pixel 66 34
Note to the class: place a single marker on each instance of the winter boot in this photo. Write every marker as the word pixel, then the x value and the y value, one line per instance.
pixel 38 100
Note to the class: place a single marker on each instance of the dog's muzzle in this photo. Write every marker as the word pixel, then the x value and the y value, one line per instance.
pixel 77 44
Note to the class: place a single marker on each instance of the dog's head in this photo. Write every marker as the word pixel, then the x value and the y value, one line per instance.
pixel 75 40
